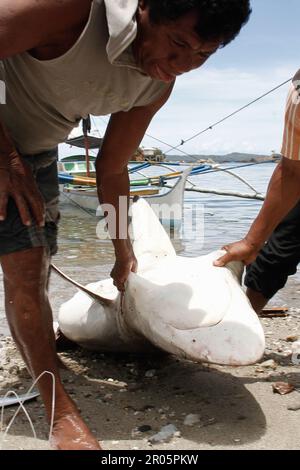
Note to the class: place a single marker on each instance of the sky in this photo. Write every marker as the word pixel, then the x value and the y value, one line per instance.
pixel 261 57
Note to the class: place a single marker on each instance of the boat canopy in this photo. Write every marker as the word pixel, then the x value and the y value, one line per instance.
pixel 76 158
pixel 94 142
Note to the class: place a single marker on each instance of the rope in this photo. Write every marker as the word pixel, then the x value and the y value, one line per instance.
pixel 21 406
pixel 183 142
pixel 212 126
pixel 75 204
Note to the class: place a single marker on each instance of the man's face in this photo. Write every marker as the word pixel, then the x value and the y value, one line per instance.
pixel 167 50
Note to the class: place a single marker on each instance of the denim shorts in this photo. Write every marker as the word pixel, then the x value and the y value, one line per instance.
pixel 14 235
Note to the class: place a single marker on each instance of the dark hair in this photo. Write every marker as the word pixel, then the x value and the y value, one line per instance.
pixel 218 19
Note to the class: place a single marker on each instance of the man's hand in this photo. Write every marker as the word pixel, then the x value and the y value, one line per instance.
pixel 239 251
pixel 17 181
pixel 121 270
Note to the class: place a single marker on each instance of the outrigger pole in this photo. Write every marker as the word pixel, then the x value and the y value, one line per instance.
pixel 86 128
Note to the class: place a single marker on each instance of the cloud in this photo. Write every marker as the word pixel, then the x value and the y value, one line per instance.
pixel 207 95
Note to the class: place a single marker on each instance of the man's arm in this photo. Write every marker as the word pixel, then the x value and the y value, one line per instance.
pixel 283 194
pixel 27 24
pixel 123 136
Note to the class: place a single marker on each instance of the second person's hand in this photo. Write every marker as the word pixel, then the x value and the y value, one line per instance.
pixel 242 250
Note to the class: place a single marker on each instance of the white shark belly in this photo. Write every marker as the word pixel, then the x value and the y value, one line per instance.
pixel 185 306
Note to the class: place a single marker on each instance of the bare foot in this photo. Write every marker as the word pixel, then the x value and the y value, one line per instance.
pixel 71 433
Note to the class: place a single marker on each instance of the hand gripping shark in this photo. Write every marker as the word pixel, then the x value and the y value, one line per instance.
pixel 184 306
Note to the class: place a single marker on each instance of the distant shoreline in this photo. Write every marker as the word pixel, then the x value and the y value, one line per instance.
pixel 229 158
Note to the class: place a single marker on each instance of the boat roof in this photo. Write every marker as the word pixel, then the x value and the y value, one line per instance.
pixel 77 158
pixel 94 142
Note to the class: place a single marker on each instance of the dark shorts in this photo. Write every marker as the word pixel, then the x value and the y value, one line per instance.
pixel 278 259
pixel 14 236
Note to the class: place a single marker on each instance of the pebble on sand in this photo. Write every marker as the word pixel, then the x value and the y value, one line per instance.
pixel 283 388
pixel 191 419
pixel 150 373
pixel 270 364
pixel 165 434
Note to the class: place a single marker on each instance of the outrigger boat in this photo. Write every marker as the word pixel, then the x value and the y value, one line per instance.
pixel 166 203
pixel 78 184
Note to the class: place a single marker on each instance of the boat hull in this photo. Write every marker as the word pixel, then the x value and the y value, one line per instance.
pixel 168 206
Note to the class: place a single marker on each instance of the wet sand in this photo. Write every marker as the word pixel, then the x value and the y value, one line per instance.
pixel 126 400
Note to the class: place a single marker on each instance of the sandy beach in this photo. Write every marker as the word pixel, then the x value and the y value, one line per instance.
pixel 193 107
pixel 126 400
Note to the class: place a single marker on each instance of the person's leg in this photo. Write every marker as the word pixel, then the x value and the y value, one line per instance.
pixel 30 319
pixel 25 259
pixel 257 300
pixel 277 260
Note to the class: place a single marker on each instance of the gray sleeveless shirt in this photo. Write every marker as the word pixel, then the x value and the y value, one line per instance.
pixel 46 99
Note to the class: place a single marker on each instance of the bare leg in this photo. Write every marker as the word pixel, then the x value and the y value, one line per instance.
pixel 257 300
pixel 30 318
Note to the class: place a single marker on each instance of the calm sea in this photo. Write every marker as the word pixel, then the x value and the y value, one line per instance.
pixel 87 259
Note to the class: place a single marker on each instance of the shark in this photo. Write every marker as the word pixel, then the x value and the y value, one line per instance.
pixel 184 306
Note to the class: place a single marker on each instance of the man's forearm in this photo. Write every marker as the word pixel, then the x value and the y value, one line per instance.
pixel 124 133
pixel 283 194
pixel 123 136
pixel 113 192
